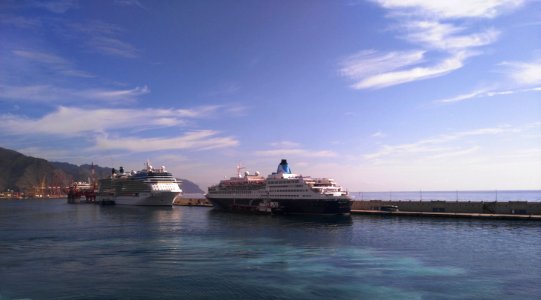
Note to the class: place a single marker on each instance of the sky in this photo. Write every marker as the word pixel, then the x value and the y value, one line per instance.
pixel 381 95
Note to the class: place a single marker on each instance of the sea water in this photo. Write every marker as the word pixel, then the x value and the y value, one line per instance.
pixel 53 250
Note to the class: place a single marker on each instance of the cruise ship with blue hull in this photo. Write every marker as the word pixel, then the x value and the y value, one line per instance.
pixel 280 193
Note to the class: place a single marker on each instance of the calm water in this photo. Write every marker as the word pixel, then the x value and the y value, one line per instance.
pixel 52 250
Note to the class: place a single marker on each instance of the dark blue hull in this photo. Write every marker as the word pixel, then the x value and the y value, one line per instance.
pixel 335 206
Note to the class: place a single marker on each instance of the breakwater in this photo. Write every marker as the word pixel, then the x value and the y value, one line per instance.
pixel 468 207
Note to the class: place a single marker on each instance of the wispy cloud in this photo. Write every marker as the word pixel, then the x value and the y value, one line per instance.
pixel 439 146
pixel 49 153
pixel 56 95
pixel 296 152
pixel 482 93
pixel 453 9
pixel 462 154
pixel 225 90
pixel 447 37
pixel 288 148
pixel 418 73
pixel 525 73
pixel 378 134
pixel 72 121
pixel 113 46
pixel 368 62
pixel 285 144
pixel 53 62
pixel 522 77
pixel 55 6
pixel 20 22
pixel 129 3
pixel 450 154
pixel 101 37
pixel 435 26
pixel 195 140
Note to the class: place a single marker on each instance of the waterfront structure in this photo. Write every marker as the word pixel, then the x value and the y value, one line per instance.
pixel 453 207
pixel 149 186
pixel 280 192
pixel 79 189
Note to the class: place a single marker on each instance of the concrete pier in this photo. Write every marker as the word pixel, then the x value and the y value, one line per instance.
pixel 448 215
pixel 516 210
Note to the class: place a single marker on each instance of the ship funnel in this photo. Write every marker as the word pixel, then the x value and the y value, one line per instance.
pixel 283 167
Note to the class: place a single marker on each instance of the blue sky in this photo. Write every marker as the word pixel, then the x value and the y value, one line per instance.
pixel 380 95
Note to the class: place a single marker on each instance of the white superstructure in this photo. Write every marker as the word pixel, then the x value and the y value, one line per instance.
pixel 149 186
pixel 291 192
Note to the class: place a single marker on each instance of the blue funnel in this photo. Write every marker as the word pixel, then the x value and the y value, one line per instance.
pixel 283 167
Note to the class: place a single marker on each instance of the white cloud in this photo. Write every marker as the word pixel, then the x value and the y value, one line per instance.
pixel 55 6
pixel 421 22
pixel 285 144
pixel 378 134
pixel 439 144
pixel 469 95
pixel 418 73
pixel 482 93
pixel 103 38
pixel 451 9
pixel 450 154
pixel 52 61
pixel 370 62
pixel 129 3
pixel 295 152
pixel 522 77
pixel 525 73
pixel 225 89
pixel 113 46
pixel 445 36
pixel 49 153
pixel 288 148
pixel 72 121
pixel 195 140
pixel 21 22
pixel 49 93
pixel 41 57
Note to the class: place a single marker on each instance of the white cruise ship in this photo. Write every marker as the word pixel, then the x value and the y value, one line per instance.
pixel 149 186
pixel 280 192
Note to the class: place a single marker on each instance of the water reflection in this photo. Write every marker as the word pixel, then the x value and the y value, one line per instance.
pixel 300 220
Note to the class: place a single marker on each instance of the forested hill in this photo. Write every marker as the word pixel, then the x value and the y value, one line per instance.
pixel 22 173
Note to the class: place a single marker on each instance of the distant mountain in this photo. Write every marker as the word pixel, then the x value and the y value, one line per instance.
pixel 82 172
pixel 189 187
pixel 19 172
pixel 22 173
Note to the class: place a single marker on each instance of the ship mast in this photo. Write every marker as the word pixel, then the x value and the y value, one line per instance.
pixel 239 167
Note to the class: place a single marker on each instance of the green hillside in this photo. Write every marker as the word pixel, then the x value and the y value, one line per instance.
pixel 22 173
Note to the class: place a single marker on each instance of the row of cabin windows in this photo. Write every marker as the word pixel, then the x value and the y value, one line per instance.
pixel 249 192
pixel 164 186
pixel 235 192
pixel 289 190
pixel 287 181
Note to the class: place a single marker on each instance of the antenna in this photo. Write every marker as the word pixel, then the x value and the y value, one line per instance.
pixel 239 167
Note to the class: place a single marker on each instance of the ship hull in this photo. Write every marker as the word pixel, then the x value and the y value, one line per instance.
pixel 336 206
pixel 141 199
